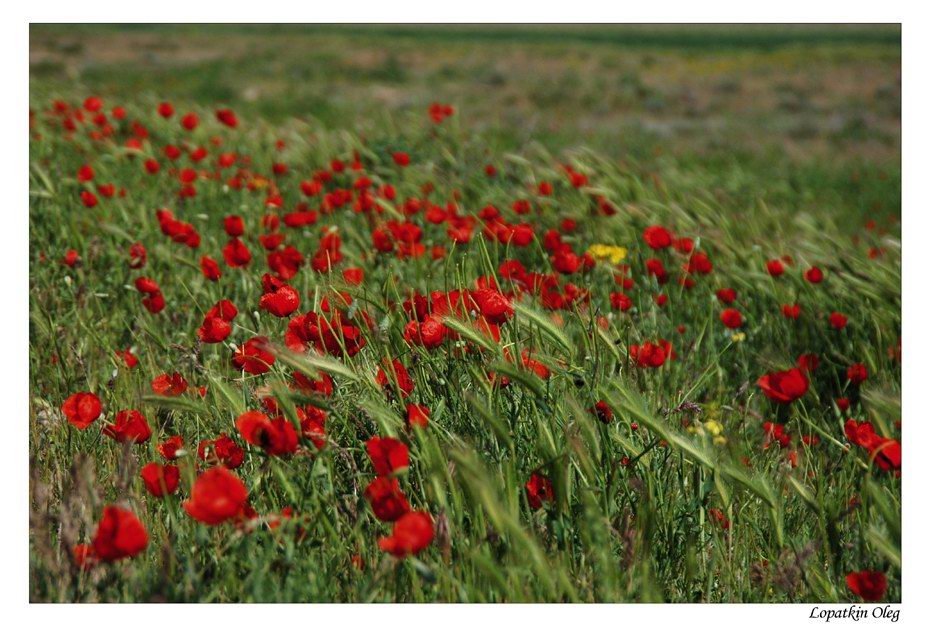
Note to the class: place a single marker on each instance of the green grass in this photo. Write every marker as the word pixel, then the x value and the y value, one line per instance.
pixel 630 517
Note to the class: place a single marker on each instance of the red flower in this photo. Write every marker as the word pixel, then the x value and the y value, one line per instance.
pixel 657 237
pixel 401 158
pixel 234 225
pixel 842 404
pixel 400 377
pixel 430 333
pixel 493 305
pixel 217 496
pixel 870 585
pixel 539 490
pixel 388 455
pixel 169 448
pixel 886 452
pixel 216 325
pixel 88 199
pixel 169 385
pixel 222 450
pixel 651 355
pixel 353 276
pixel 210 268
pixel 791 311
pixel 417 415
pixel 731 318
pixel 808 362
pixel 165 109
pixel 279 299
pixel 837 321
pixel 236 254
pixel 857 373
pixel 129 426
pixel 227 117
pixel 119 535
pixel 71 257
pixel 81 409
pixel 619 301
pixel 775 267
pixel 137 256
pixel 412 533
pixel 603 412
pixel 276 436
pixel 784 386
pixel 160 480
pixel 253 357
pixel 814 275
pixel 726 296
pixel 387 501
pixel 190 121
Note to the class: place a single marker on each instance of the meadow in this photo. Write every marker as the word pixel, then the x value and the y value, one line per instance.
pixel 477 314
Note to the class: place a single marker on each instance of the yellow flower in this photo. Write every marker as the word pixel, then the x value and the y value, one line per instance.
pixel 714 427
pixel 738 337
pixel 614 254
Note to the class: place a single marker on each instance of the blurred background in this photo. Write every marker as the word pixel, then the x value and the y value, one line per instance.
pixel 774 108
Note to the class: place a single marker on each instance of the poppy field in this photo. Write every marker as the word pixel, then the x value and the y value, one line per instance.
pixel 278 359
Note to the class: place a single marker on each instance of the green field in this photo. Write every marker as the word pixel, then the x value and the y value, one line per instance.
pixel 748 143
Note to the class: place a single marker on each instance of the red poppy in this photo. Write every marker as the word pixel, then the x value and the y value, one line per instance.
pixel 387 501
pixel 539 490
pixel 399 377
pixel 813 275
pixel 217 324
pixel 119 535
pixel 857 373
pixel 170 448
pixel 726 296
pixel 388 455
pixel 254 357
pixel 190 121
pixel 732 318
pixel 217 496
pixel 603 412
pixel 210 268
pixel 234 225
pixel 837 321
pixel 81 409
pixel 236 254
pixel 353 276
pixel 417 415
pixel 279 299
pixel 775 268
pixel 430 333
pixel 223 450
pixel 650 354
pixel 160 480
pixel 169 385
pixel 784 386
pixel 137 256
pixel 657 237
pixel 791 311
pixel 412 533
pixel 276 436
pixel 493 305
pixel 227 117
pixel 808 362
pixel 129 426
pixel 619 301
pixel 870 585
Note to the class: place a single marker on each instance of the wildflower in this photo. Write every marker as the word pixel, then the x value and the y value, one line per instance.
pixel 119 535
